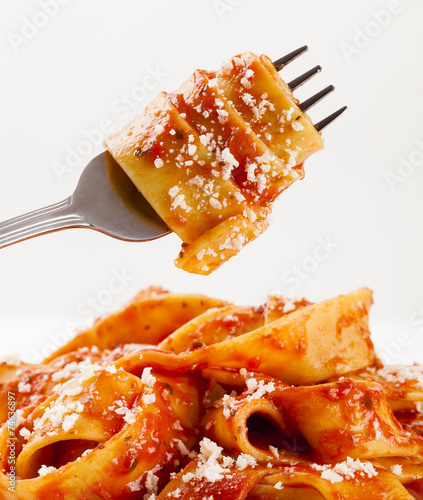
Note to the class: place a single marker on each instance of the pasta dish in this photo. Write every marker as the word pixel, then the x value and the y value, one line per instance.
pixel 212 156
pixel 182 396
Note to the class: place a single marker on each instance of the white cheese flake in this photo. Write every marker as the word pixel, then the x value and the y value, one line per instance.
pixel 201 254
pixel 243 461
pixel 69 421
pixel 179 201
pixel 347 469
pixel 147 378
pixel 223 115
pixel 43 470
pixel 245 82
pixel 25 433
pixel 331 476
pixel 396 469
pixel 215 203
pixel 148 399
pixel 227 66
pixel 288 306
pixel 173 191
pixel 250 169
pixel 24 387
pixel 401 374
pixel 230 162
pixel 297 126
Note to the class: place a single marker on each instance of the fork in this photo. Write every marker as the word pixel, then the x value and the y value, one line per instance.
pixel 106 200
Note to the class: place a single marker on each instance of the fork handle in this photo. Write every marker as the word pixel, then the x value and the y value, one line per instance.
pixel 45 220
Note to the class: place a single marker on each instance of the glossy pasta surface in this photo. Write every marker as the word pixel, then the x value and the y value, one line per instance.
pixel 213 156
pixel 183 396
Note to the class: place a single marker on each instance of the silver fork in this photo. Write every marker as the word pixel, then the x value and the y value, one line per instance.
pixel 106 200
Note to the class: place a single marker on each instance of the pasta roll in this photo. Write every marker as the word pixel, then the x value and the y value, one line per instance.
pixel 84 433
pixel 263 99
pixel 229 424
pixel 260 174
pixel 235 484
pixel 285 400
pixel 220 243
pixel 150 317
pixel 402 385
pixel 346 419
pixel 214 326
pixel 160 170
pixel 312 344
pixel 362 477
pixel 211 157
pixel 334 421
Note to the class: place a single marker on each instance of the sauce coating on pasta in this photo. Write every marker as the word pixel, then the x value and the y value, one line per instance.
pixel 215 400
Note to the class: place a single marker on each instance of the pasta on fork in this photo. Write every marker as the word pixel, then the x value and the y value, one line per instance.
pixel 183 396
pixel 213 156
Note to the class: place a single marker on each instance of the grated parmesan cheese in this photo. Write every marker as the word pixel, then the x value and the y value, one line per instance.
pixel 146 377
pixel 227 66
pixel 250 169
pixel 173 191
pixel 84 369
pixel 148 399
pixel 347 469
pixel 215 203
pixel 243 461
pixel 25 433
pixel 397 469
pixel 24 387
pixel 400 374
pixel 297 126
pixel 43 470
pixel 245 82
pixel 192 148
pixel 261 182
pixel 179 201
pixel 229 162
pixel 201 254
pixel 259 389
pixel 288 306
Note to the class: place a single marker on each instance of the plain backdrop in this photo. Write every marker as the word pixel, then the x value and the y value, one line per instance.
pixel 73 69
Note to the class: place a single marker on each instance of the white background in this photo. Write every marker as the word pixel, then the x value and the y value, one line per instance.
pixel 72 73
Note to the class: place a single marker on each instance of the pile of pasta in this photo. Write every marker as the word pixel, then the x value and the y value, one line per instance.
pixel 212 156
pixel 185 396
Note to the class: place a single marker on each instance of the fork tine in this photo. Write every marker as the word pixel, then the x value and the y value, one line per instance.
pixel 329 119
pixel 313 100
pixel 283 61
pixel 305 77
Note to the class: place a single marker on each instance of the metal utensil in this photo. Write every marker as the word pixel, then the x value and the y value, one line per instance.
pixel 105 199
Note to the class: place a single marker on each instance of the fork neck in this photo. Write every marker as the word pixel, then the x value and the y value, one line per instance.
pixel 45 220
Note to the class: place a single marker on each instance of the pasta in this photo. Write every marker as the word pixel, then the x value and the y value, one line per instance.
pixel 183 396
pixel 212 157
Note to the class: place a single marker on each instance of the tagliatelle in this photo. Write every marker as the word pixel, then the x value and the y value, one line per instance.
pixel 215 401
pixel 213 156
